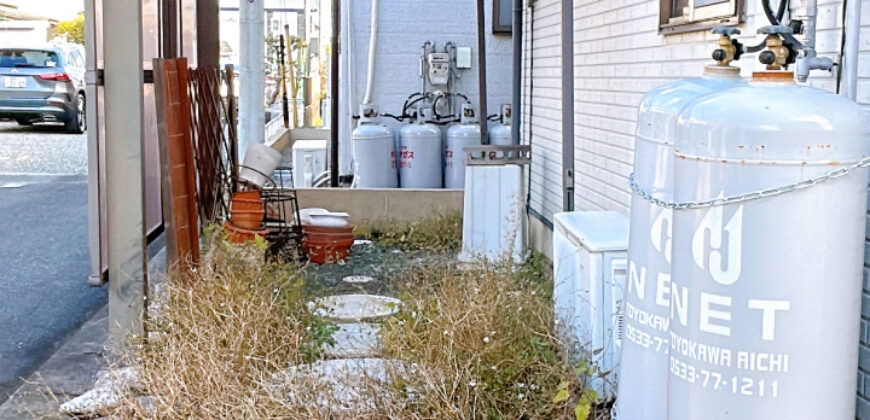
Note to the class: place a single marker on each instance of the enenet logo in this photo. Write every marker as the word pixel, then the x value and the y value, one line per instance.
pixel 728 273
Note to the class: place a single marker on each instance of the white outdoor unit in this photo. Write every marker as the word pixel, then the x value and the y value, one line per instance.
pixel 309 161
pixel 589 270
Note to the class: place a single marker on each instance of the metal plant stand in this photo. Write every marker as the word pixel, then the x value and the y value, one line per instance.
pixel 282 222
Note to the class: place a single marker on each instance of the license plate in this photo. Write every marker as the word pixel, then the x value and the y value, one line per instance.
pixel 15 82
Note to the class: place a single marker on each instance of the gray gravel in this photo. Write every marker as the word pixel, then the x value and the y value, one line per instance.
pixel 41 150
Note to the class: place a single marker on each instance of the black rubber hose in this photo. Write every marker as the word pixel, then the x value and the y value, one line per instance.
pixel 405 109
pixel 768 11
pixel 780 14
pixel 395 117
pixel 411 96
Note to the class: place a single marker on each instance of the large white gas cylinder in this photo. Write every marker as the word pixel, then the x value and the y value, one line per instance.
pixel 500 134
pixel 374 153
pixel 767 261
pixel 420 155
pixel 460 136
pixel 643 369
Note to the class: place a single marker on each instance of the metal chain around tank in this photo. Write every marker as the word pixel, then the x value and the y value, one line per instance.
pixel 741 198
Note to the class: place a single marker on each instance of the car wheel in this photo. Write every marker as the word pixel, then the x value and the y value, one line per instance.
pixel 78 122
pixel 22 121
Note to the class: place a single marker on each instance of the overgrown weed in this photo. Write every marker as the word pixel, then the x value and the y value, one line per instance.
pixel 221 335
pixel 441 234
pixel 483 343
pixel 479 339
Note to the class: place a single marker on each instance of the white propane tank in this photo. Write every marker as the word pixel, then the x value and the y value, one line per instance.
pixel 643 368
pixel 766 290
pixel 500 134
pixel 460 136
pixel 420 155
pixel 374 152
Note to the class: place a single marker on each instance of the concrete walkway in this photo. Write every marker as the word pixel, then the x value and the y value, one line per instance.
pixel 70 372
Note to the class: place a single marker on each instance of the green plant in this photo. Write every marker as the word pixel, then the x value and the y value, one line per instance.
pixel 318 333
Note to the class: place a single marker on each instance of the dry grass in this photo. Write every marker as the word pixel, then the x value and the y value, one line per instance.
pixel 483 344
pixel 219 338
pixel 440 234
pixel 480 341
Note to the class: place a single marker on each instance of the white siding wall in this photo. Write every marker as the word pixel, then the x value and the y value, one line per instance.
pixel 542 117
pixel 403 28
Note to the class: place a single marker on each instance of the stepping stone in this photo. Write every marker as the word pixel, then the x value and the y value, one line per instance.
pixel 341 384
pixel 358 279
pixel 356 307
pixel 353 341
pixel 108 390
pixel 362 242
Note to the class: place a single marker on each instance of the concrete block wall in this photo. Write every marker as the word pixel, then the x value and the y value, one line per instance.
pixel 403 28
pixel 619 56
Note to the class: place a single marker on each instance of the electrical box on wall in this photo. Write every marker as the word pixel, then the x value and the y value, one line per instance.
pixel 439 68
pixel 463 58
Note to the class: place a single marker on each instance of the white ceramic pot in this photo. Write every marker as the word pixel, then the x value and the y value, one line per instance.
pixel 260 162
pixel 329 219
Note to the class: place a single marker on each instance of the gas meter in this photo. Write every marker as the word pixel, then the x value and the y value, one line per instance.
pixel 439 68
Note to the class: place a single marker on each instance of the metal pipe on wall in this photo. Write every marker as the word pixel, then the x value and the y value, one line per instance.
pixel 568 105
pixel 373 51
pixel 852 34
pixel 517 70
pixel 252 115
pixel 207 34
pixel 481 70
pixel 333 87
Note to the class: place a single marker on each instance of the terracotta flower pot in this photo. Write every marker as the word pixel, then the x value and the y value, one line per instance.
pixel 309 229
pixel 247 219
pixel 246 205
pixel 248 195
pixel 327 250
pixel 239 235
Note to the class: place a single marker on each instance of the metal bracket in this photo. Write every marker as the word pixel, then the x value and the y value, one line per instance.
pixel 95 77
pixel 497 155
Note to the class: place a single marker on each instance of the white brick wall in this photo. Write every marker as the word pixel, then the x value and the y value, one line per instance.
pixel 619 56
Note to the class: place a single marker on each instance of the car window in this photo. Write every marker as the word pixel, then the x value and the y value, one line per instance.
pixel 80 61
pixel 28 58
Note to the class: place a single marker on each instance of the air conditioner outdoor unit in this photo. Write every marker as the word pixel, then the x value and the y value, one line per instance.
pixel 589 269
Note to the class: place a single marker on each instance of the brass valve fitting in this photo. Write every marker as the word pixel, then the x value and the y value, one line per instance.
pixel 779 53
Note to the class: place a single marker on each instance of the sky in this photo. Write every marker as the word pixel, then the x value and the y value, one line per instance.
pixel 57 9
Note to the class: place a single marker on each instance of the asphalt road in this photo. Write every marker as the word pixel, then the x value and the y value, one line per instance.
pixel 44 263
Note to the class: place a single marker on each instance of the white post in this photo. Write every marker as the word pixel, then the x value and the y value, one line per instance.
pixel 252 119
pixel 122 46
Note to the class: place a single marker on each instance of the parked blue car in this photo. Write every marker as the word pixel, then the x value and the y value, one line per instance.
pixel 43 84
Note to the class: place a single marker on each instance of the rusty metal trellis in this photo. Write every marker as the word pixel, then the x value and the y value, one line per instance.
pixel 214 142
